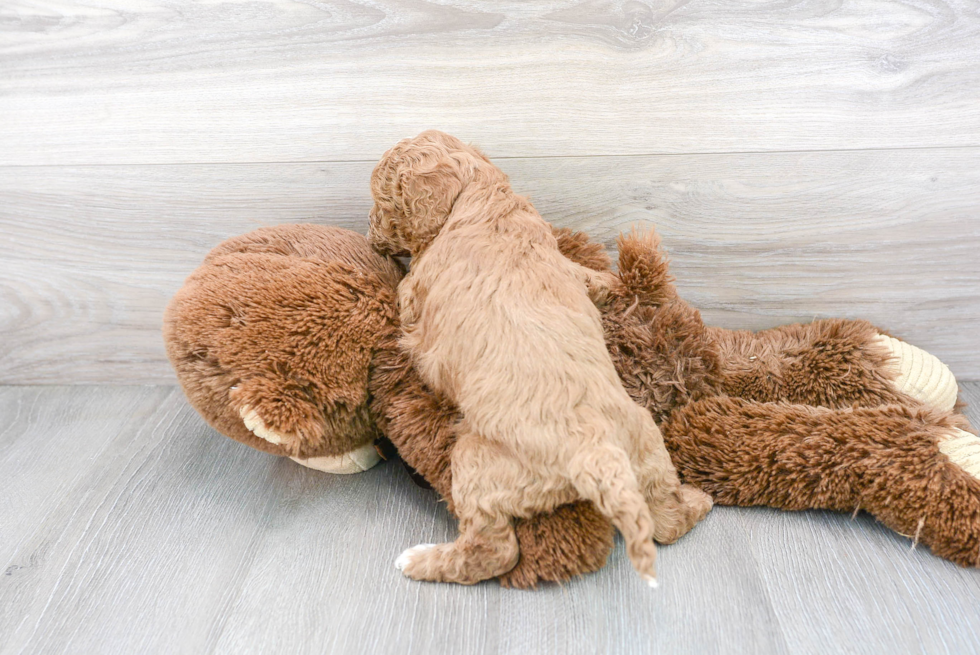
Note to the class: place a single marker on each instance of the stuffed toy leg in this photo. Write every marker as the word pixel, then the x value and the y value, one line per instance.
pixel 914 469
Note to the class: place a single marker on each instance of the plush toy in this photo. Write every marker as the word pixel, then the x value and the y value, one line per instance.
pixel 286 339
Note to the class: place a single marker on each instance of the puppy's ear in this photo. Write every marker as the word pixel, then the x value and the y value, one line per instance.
pixel 387 216
pixel 428 191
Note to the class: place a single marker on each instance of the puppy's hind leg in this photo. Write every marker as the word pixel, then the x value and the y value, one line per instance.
pixel 676 507
pixel 485 484
pixel 486 547
pixel 603 474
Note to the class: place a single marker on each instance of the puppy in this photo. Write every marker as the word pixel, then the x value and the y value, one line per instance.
pixel 496 319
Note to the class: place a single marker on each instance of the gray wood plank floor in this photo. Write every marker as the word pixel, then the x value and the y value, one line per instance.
pixel 128 526
pixel 801 159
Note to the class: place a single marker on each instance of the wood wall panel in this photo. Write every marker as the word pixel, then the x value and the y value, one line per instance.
pixel 91 254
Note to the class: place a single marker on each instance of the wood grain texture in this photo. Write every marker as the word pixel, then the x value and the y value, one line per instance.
pixel 132 541
pixel 92 254
pixel 129 526
pixel 155 81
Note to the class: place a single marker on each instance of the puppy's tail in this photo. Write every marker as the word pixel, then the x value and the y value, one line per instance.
pixel 603 474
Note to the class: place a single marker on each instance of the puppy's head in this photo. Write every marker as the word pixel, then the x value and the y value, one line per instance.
pixel 415 186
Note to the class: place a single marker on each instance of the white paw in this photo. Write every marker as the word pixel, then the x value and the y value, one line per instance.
pixel 406 557
pixel 921 375
pixel 963 449
pixel 356 461
pixel 258 427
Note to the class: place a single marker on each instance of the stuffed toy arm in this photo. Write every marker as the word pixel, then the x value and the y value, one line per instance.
pixel 832 363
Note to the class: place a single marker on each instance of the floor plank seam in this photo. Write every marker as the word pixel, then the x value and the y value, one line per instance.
pixel 631 155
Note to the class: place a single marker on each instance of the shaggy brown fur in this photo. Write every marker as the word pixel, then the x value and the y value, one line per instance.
pixel 884 460
pixel 284 320
pixel 797 417
pixel 496 319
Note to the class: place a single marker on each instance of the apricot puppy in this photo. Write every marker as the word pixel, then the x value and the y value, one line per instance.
pixel 496 319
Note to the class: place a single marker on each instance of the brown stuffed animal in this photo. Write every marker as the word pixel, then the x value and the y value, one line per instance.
pixel 293 330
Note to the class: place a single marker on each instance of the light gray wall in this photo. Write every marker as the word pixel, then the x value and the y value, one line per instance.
pixel 801 160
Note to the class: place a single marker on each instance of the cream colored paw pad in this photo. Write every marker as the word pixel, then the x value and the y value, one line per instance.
pixel 920 374
pixel 408 555
pixel 356 461
pixel 258 427
pixel 963 449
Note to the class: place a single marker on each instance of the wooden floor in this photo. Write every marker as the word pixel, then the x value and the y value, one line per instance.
pixel 128 526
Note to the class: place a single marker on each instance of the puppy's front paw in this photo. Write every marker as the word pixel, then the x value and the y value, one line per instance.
pixel 601 286
pixel 405 560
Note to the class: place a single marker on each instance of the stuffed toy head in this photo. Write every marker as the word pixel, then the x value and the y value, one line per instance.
pixel 272 339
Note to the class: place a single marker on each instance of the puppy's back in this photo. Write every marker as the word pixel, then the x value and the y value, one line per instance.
pixel 508 323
